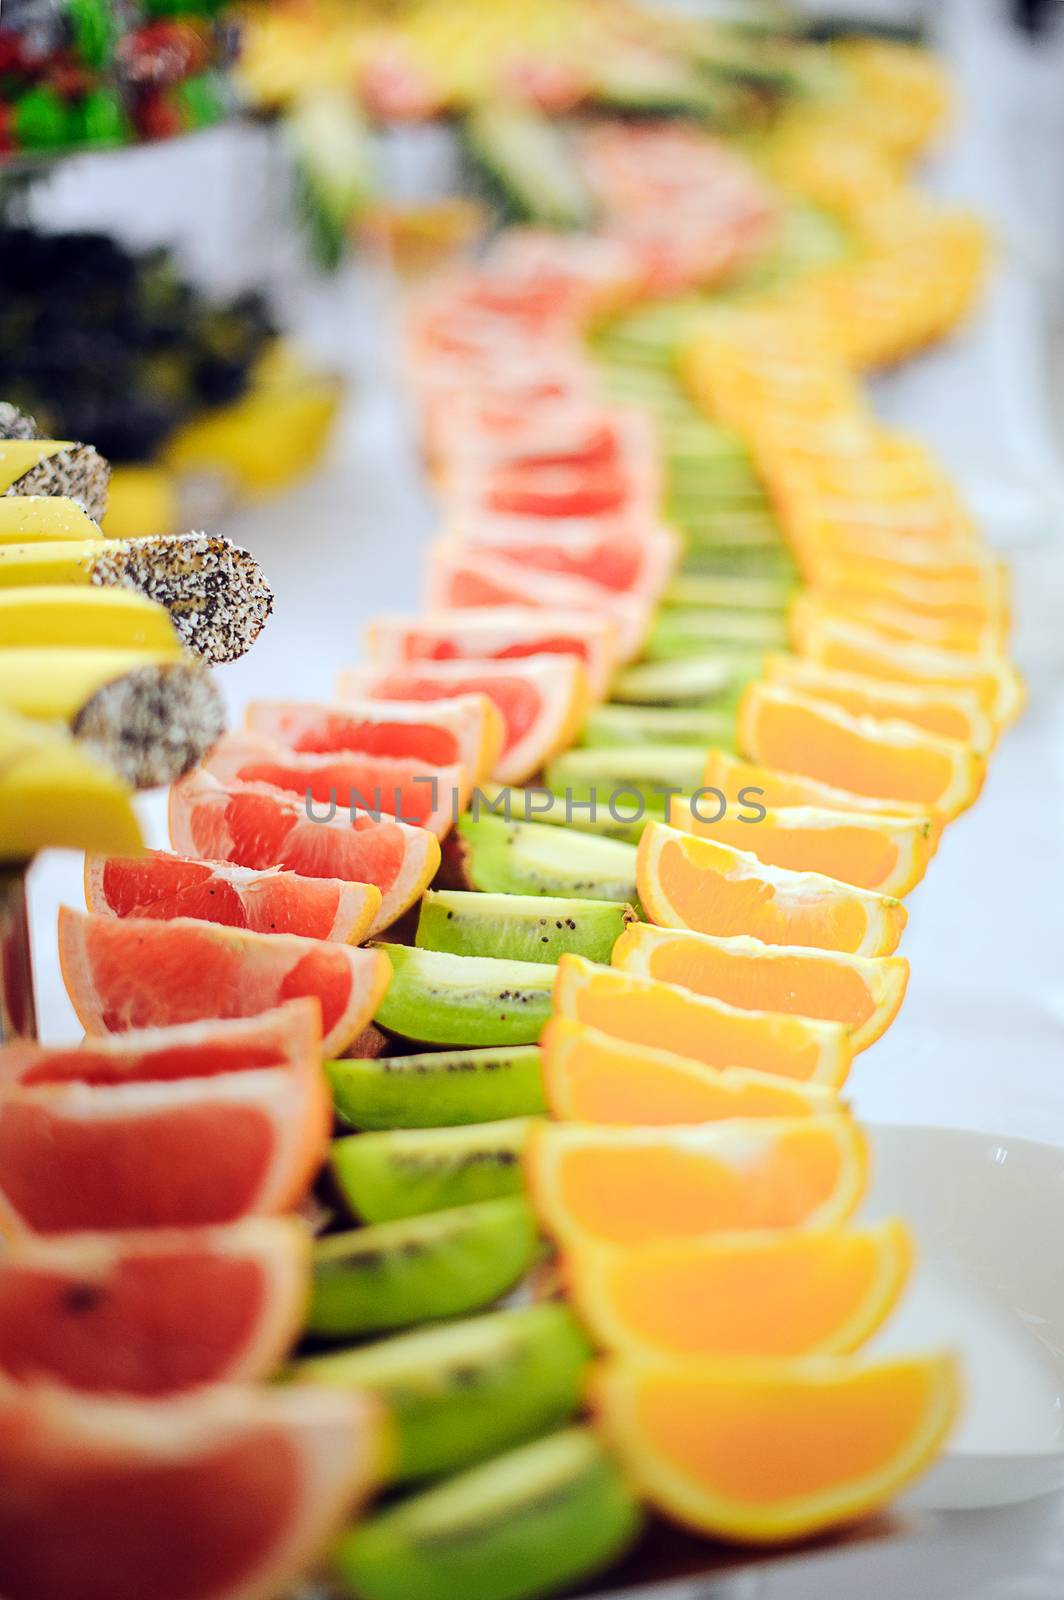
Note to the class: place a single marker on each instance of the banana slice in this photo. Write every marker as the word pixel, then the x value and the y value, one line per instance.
pixel 216 593
pixel 55 614
pixel 150 716
pixel 55 793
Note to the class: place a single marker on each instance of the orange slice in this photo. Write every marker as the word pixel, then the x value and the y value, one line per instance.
pixel 862 992
pixel 853 648
pixel 768 786
pixel 759 1452
pixel 687 882
pixel 779 1295
pixel 589 1076
pixel 645 1011
pixel 970 592
pixel 628 1185
pixel 890 854
pixel 952 713
pixel 784 728
pixel 133 972
pixel 939 633
pixel 231 1494
pixel 154 1313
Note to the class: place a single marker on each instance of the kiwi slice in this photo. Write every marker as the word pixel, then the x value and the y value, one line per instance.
pixel 626 772
pixel 763 558
pixel 687 630
pixel 520 927
pixel 407 1172
pixel 440 998
pixel 743 592
pixel 543 805
pixel 632 725
pixel 706 680
pixel 438 1089
pixel 467 1390
pixel 447 1264
pixel 526 1524
pixel 499 857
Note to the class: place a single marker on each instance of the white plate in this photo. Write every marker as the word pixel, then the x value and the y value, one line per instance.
pixel 987 1213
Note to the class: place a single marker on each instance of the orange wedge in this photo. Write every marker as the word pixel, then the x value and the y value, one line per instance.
pixel 799 1293
pixel 940 633
pixel 784 728
pixel 589 1076
pixel 628 1185
pixel 688 882
pixel 885 853
pixel 970 592
pixel 853 648
pixel 951 713
pixel 762 1451
pixel 645 1011
pixel 862 992
pixel 768 786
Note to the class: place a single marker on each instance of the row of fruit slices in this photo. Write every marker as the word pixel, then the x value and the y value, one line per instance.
pixel 758 977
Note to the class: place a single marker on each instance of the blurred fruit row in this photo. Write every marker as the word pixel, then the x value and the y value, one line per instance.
pixel 89 74
pixel 429 57
pixel 601 1070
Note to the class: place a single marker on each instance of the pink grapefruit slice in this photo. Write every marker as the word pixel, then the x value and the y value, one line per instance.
pixel 188 1153
pixel 395 786
pixel 624 563
pixel 257 825
pixel 542 701
pixel 158 884
pixel 288 1036
pixel 153 1313
pixel 500 633
pixel 465 730
pixel 460 577
pixel 227 1495
pixel 133 972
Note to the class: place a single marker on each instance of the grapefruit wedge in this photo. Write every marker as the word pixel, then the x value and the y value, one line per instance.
pixel 541 702
pixel 633 563
pixel 503 633
pixel 162 885
pixel 463 730
pixel 224 1496
pixel 395 786
pixel 187 1153
pixel 289 1036
pixel 153 1313
pixel 460 576
pixel 123 973
pixel 760 1452
pixel 256 825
